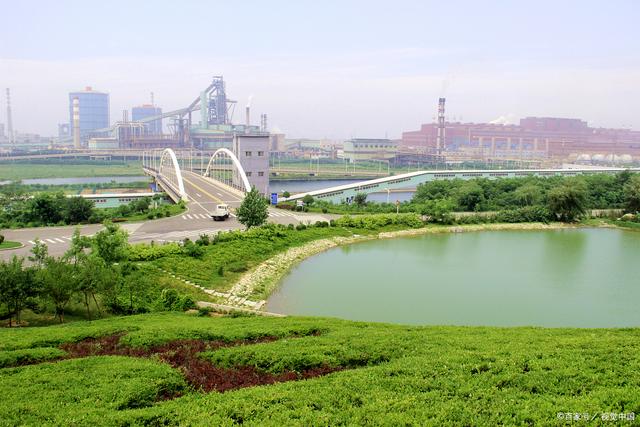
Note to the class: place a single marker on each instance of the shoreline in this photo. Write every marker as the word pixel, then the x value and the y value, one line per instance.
pixel 259 283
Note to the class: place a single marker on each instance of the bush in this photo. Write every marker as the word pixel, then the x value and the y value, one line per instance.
pixel 1 239
pixel 301 227
pixel 372 222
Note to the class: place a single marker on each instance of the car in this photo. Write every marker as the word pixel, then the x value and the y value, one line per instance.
pixel 220 213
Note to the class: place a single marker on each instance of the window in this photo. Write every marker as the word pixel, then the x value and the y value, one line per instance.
pixel 247 153
pixel 248 173
pixel 260 153
pixel 260 173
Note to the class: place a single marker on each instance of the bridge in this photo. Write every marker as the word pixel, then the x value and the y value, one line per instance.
pixel 346 192
pixel 223 181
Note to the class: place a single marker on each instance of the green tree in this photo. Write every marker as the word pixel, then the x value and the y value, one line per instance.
pixel 253 210
pixel 78 209
pixel 111 244
pixel 39 253
pixel 58 281
pixel 308 199
pixel 95 276
pixel 286 194
pixel 632 194
pixel 568 201
pixel 360 199
pixel 46 208
pixel 527 195
pixel 470 196
pixel 438 210
pixel 18 286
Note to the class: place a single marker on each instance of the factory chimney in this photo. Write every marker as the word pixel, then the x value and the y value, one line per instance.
pixel 76 122
pixel 248 115
pixel 441 128
pixel 9 119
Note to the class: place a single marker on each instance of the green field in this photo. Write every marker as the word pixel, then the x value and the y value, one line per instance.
pixel 19 171
pixel 378 373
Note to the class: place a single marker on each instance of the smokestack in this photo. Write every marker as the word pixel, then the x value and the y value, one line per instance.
pixel 9 119
pixel 441 128
pixel 263 122
pixel 125 116
pixel 248 115
pixel 76 122
pixel 152 100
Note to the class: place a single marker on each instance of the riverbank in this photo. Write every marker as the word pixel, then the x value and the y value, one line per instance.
pixel 259 283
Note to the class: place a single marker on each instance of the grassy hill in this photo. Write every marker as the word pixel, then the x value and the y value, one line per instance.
pixel 170 369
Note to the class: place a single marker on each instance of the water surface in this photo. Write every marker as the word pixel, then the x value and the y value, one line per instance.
pixel 582 278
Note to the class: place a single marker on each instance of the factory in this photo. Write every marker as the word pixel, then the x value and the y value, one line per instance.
pixel 534 138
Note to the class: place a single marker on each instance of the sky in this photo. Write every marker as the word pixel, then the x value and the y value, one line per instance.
pixel 328 69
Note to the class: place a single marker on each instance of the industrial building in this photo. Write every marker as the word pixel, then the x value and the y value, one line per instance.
pixel 532 138
pixel 92 113
pixel 253 153
pixel 359 149
pixel 144 112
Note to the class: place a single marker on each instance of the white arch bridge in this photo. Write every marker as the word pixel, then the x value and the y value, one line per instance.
pixel 188 175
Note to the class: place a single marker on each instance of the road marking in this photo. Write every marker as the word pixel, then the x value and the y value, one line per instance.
pixel 203 190
pixel 50 241
pixel 59 240
pixel 219 194
pixel 198 194
pixel 68 238
pixel 184 217
pixel 32 242
pixel 189 216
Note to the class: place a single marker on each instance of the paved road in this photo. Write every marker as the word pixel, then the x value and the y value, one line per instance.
pixel 203 194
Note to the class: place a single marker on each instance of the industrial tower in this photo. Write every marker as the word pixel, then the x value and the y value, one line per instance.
pixel 9 119
pixel 441 128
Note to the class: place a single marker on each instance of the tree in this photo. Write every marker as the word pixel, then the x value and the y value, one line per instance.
pixel 438 210
pixel 253 210
pixel 568 201
pixel 308 200
pixel 18 286
pixel 111 244
pixel 360 199
pixel 46 208
pixel 470 196
pixel 632 194
pixel 58 280
pixel 527 195
pixel 78 209
pixel 286 194
pixel 94 276
pixel 39 253
pixel 76 252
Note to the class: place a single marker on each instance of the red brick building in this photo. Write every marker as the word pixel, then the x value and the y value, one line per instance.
pixel 534 137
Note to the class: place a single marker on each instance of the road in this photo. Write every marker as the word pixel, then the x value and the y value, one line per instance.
pixel 203 196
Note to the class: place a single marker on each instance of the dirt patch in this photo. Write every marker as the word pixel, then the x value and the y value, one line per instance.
pixel 199 373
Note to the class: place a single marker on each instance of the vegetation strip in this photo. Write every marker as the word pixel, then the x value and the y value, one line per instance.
pixel 183 354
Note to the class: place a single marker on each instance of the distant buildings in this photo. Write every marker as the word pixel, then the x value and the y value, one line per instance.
pixel 358 149
pixel 533 137
pixel 94 111
pixel 147 110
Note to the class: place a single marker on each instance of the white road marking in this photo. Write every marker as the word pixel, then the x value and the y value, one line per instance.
pixel 198 194
pixel 189 216
pixel 68 238
pixel 184 217
pixel 59 240
pixel 50 241
pixel 32 242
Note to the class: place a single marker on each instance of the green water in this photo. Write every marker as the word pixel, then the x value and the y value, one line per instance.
pixel 581 278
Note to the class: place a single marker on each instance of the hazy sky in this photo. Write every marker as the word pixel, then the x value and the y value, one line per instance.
pixel 335 69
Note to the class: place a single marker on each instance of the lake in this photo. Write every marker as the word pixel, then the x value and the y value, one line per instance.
pixel 559 278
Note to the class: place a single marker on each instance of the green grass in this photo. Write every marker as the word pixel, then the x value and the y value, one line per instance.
pixel 7 244
pixel 19 171
pixel 394 375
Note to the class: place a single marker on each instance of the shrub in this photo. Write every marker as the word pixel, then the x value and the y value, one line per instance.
pixel 301 227
pixel 1 239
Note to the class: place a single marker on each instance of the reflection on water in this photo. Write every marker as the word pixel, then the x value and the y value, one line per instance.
pixel 581 277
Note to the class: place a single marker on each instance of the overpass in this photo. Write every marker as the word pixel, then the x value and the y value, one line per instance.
pixel 346 192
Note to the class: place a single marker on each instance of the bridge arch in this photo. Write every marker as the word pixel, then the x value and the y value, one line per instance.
pixel 225 154
pixel 178 184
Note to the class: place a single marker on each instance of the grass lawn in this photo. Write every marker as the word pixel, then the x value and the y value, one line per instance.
pixel 9 245
pixel 364 373
pixel 19 171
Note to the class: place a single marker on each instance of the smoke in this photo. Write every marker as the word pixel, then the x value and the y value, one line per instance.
pixel 249 101
pixel 509 119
